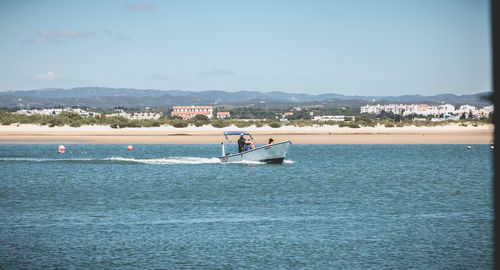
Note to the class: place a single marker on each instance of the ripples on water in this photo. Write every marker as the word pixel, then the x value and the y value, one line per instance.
pixel 177 206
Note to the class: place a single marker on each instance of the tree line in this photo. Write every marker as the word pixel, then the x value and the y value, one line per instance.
pixel 73 119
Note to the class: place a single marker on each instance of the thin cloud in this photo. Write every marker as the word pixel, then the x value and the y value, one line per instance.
pixel 53 77
pixel 117 36
pixel 139 7
pixel 48 36
pixel 215 73
pixel 49 76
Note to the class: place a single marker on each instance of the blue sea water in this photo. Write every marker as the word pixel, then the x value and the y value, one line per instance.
pixel 178 207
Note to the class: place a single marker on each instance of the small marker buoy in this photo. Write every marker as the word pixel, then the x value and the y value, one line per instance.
pixel 468 147
pixel 130 147
pixel 61 149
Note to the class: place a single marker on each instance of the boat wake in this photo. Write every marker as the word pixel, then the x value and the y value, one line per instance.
pixel 169 160
pixel 46 159
pixel 185 160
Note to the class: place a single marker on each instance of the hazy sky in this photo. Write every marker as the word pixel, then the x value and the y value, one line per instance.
pixel 348 47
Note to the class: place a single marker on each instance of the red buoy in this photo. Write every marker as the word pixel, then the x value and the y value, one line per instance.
pixel 130 147
pixel 61 149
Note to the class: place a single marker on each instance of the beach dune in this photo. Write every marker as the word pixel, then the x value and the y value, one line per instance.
pixel 452 134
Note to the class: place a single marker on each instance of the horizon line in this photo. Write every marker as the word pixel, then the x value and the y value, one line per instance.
pixel 235 91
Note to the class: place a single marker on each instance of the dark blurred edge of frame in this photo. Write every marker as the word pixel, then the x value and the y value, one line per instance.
pixel 494 97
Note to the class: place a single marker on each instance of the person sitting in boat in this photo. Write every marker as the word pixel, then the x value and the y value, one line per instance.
pixel 249 145
pixel 241 143
pixel 271 141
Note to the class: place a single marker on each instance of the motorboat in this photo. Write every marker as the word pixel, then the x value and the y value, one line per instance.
pixel 270 153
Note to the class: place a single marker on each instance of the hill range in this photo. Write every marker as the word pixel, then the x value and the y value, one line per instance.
pixel 108 98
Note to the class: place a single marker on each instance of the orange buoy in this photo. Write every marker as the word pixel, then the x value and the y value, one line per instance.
pixel 61 149
pixel 130 147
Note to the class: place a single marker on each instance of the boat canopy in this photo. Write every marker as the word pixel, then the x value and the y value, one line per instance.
pixel 236 133
pixel 228 133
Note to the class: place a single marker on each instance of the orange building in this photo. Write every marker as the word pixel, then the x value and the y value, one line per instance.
pixel 188 112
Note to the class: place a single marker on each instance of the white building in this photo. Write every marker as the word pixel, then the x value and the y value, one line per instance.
pixel 446 108
pixel 425 109
pixel 333 118
pixel 40 112
pixel 419 119
pixel 448 116
pixel 485 111
pixel 371 109
pixel 144 115
pixel 57 111
pixel 467 108
pixel 137 115
pixel 121 113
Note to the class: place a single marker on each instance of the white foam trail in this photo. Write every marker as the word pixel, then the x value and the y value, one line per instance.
pixel 47 159
pixel 250 162
pixel 170 160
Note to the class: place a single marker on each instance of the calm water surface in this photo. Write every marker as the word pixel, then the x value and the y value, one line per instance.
pixel 176 206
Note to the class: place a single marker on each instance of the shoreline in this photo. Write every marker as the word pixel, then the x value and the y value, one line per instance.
pixel 449 134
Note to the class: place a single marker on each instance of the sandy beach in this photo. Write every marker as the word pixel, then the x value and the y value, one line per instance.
pixel 451 134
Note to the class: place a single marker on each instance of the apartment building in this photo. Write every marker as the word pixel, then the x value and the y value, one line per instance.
pixel 188 112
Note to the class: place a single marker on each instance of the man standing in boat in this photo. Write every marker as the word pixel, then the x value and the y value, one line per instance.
pixel 241 143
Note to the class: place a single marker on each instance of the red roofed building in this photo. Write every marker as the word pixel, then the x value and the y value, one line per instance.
pixel 222 115
pixel 188 112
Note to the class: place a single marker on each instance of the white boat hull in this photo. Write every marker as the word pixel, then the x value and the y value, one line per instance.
pixel 274 153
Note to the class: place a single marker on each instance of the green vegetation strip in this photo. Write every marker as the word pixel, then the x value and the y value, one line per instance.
pixel 73 119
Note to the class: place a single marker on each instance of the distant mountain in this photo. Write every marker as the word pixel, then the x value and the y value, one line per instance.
pixel 84 92
pixel 107 98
